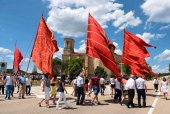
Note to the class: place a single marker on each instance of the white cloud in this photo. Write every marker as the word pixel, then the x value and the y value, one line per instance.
pixel 82 48
pixel 118 51
pixel 157 10
pixel 147 37
pixel 10 57
pixel 158 69
pixel 25 59
pixel 116 44
pixel 69 17
pixel 164 56
pixel 4 51
pixel 164 27
pixel 59 53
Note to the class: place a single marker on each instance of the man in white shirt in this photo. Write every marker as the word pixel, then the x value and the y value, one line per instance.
pixel 118 92
pixel 8 82
pixel 80 89
pixel 141 88
pixel 130 86
pixel 156 83
pixel 28 84
pixel 102 85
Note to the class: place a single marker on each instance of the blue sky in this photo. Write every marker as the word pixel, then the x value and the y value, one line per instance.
pixel 149 19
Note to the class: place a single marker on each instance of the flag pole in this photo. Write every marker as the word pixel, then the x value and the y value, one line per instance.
pixel 15 44
pixel 121 68
pixel 32 49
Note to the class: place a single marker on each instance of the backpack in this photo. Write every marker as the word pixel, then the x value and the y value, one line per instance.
pixel 22 80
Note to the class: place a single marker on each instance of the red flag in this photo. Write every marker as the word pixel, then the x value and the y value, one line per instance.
pixel 134 53
pixel 44 47
pixel 17 59
pixel 99 46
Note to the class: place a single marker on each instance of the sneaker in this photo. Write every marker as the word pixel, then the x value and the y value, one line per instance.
pixel 59 108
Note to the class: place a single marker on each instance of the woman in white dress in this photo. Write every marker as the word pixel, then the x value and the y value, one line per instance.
pixel 164 87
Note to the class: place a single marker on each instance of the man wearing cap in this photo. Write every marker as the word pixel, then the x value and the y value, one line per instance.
pixel 130 86
pixel 141 88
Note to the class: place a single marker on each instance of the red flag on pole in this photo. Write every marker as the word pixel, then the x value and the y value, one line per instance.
pixel 134 53
pixel 44 47
pixel 99 46
pixel 17 59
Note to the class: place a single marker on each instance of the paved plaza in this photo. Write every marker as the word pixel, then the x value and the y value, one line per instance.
pixel 156 104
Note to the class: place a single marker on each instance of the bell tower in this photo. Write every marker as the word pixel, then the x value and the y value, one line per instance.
pixel 68 46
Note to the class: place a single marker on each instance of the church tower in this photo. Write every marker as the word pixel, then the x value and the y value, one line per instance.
pixel 68 48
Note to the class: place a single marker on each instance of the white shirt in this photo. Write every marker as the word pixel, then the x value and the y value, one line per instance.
pixel 140 83
pixel 101 80
pixel 112 81
pixel 80 81
pixel 117 84
pixel 8 80
pixel 155 81
pixel 130 84
pixel 28 81
pixel 75 81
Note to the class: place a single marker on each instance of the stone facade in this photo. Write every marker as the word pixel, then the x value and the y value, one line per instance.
pixel 90 63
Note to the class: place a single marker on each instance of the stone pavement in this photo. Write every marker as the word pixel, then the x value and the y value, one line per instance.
pixel 30 104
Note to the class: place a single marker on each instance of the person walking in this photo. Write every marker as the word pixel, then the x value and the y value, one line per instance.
pixel 130 86
pixel 102 85
pixel 74 85
pixel 60 91
pixel 124 90
pixel 156 84
pixel 28 85
pixel 8 83
pixel 53 88
pixel 95 85
pixel 22 86
pixel 112 85
pixel 118 92
pixel 164 87
pixel 80 89
pixel 13 84
pixel 141 90
pixel 45 84
pixel 1 84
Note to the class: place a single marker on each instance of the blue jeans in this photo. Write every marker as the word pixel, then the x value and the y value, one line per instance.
pixel 28 89
pixel 96 90
pixel 8 90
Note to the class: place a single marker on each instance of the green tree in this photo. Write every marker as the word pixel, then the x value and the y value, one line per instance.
pixel 169 67
pixel 126 69
pixel 57 65
pixel 75 67
pixel 101 72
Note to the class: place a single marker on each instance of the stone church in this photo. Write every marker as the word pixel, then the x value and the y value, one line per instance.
pixel 90 63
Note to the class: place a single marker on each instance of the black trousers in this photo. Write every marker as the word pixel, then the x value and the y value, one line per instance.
pixel 2 88
pixel 131 94
pixel 156 86
pixel 118 95
pixel 141 93
pixel 102 88
pixel 80 95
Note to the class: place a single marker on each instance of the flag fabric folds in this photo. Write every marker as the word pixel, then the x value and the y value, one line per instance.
pixel 99 46
pixel 134 54
pixel 17 59
pixel 44 47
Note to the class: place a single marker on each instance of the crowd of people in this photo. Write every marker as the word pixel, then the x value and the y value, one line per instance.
pixel 8 82
pixel 82 86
